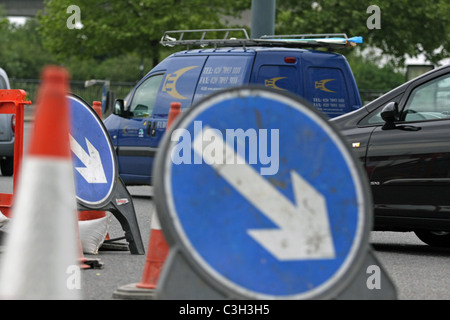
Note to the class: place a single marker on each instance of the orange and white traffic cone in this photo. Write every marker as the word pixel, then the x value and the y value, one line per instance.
pixel 157 254
pixel 41 249
pixel 158 248
pixel 174 112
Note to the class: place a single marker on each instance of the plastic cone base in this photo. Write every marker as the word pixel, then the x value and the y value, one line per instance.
pixel 132 292
pixel 114 246
pixel 86 263
pixel 83 265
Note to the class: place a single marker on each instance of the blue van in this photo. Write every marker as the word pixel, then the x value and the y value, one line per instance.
pixel 285 63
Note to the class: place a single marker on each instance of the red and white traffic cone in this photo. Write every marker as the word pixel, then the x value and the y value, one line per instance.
pixel 157 254
pixel 157 251
pixel 174 112
pixel 158 247
pixel 41 250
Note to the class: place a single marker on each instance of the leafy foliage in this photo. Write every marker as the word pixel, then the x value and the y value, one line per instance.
pixel 407 27
pixel 112 28
pixel 371 73
pixel 119 36
pixel 22 54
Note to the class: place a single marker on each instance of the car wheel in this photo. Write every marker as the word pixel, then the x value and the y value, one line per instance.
pixel 7 166
pixel 434 238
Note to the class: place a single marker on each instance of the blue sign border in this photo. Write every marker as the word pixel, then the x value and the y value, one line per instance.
pixel 111 177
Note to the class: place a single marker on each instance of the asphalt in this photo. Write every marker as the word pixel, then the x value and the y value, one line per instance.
pixel 29 111
pixel 120 268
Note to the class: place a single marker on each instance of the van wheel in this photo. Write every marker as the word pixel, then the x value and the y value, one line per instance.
pixel 7 166
pixel 434 238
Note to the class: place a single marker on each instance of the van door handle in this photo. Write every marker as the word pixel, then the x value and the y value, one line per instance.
pixel 151 129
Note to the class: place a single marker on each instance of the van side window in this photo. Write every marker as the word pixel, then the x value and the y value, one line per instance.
pixel 145 96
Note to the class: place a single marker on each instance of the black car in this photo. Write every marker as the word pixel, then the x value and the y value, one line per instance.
pixel 403 141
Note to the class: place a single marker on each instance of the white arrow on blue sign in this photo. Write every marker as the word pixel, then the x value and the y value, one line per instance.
pixel 92 154
pixel 263 195
pixel 297 223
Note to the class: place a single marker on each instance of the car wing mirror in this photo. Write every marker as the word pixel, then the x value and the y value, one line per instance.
pixel 390 115
pixel 119 107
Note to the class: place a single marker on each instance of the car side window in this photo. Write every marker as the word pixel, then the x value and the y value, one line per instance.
pixel 374 118
pixel 3 83
pixel 145 96
pixel 430 101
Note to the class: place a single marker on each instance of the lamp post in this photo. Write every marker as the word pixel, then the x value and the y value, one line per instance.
pixel 263 18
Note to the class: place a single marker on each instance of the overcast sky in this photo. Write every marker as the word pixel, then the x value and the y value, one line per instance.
pixel 19 20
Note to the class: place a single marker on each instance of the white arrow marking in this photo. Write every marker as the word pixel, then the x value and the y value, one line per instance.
pixel 93 171
pixel 304 230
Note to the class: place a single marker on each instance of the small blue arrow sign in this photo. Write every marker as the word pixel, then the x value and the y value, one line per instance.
pixel 92 154
pixel 263 194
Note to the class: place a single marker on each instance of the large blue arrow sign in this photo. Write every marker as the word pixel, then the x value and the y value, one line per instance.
pixel 263 195
pixel 92 154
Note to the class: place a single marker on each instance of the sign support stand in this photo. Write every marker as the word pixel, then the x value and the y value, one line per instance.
pixel 178 270
pixel 123 210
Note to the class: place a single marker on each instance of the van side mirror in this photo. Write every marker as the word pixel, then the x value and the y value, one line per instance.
pixel 119 107
pixel 390 115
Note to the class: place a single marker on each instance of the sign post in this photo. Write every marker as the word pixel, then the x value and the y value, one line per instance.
pixel 259 198
pixel 97 182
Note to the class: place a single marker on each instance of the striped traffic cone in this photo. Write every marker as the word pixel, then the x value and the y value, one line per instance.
pixel 41 250
pixel 157 254
pixel 158 248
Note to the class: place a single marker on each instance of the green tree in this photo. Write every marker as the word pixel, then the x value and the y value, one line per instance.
pixel 3 20
pixel 22 54
pixel 372 75
pixel 407 27
pixel 112 28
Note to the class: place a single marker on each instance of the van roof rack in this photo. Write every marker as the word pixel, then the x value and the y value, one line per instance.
pixel 201 37
pixel 177 37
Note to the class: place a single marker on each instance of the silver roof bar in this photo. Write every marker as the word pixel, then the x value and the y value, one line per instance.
pixel 190 38
pixel 169 39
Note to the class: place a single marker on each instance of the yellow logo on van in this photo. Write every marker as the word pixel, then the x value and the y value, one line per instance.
pixel 170 83
pixel 321 85
pixel 272 83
